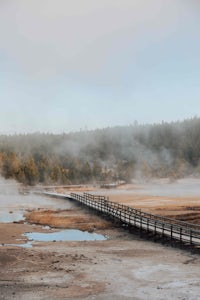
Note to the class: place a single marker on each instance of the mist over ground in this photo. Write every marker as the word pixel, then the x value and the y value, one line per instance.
pixel 14 202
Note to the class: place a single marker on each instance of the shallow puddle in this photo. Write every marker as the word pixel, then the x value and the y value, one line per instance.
pixel 64 235
pixel 26 245
pixel 9 217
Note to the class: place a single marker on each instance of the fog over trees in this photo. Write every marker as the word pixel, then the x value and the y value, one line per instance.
pixel 118 153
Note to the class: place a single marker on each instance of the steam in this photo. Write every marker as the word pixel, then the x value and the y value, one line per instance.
pixel 8 187
pixel 152 151
pixel 14 202
pixel 119 145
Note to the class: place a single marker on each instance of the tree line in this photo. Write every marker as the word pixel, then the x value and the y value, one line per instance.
pixel 110 154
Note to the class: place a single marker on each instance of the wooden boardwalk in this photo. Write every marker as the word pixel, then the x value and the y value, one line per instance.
pixel 158 226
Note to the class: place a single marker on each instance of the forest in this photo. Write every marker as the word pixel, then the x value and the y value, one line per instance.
pixel 104 155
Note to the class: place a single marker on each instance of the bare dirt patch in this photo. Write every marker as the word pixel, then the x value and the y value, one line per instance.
pixel 71 219
pixel 116 269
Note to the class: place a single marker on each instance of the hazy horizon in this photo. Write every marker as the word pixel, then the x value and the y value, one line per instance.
pixel 86 129
pixel 68 66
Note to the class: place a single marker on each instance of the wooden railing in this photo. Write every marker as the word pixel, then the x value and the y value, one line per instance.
pixel 174 230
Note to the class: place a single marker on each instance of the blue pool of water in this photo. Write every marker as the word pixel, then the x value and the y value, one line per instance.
pixel 65 235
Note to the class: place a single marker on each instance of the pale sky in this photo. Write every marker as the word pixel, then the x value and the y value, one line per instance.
pixel 70 65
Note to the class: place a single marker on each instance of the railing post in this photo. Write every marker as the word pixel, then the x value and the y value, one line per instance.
pixel 171 234
pixel 155 230
pixel 129 218
pixel 148 225
pixel 163 229
pixel 181 235
pixel 190 237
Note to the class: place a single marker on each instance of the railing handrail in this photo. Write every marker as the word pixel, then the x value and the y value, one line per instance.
pixel 125 212
pixel 146 214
